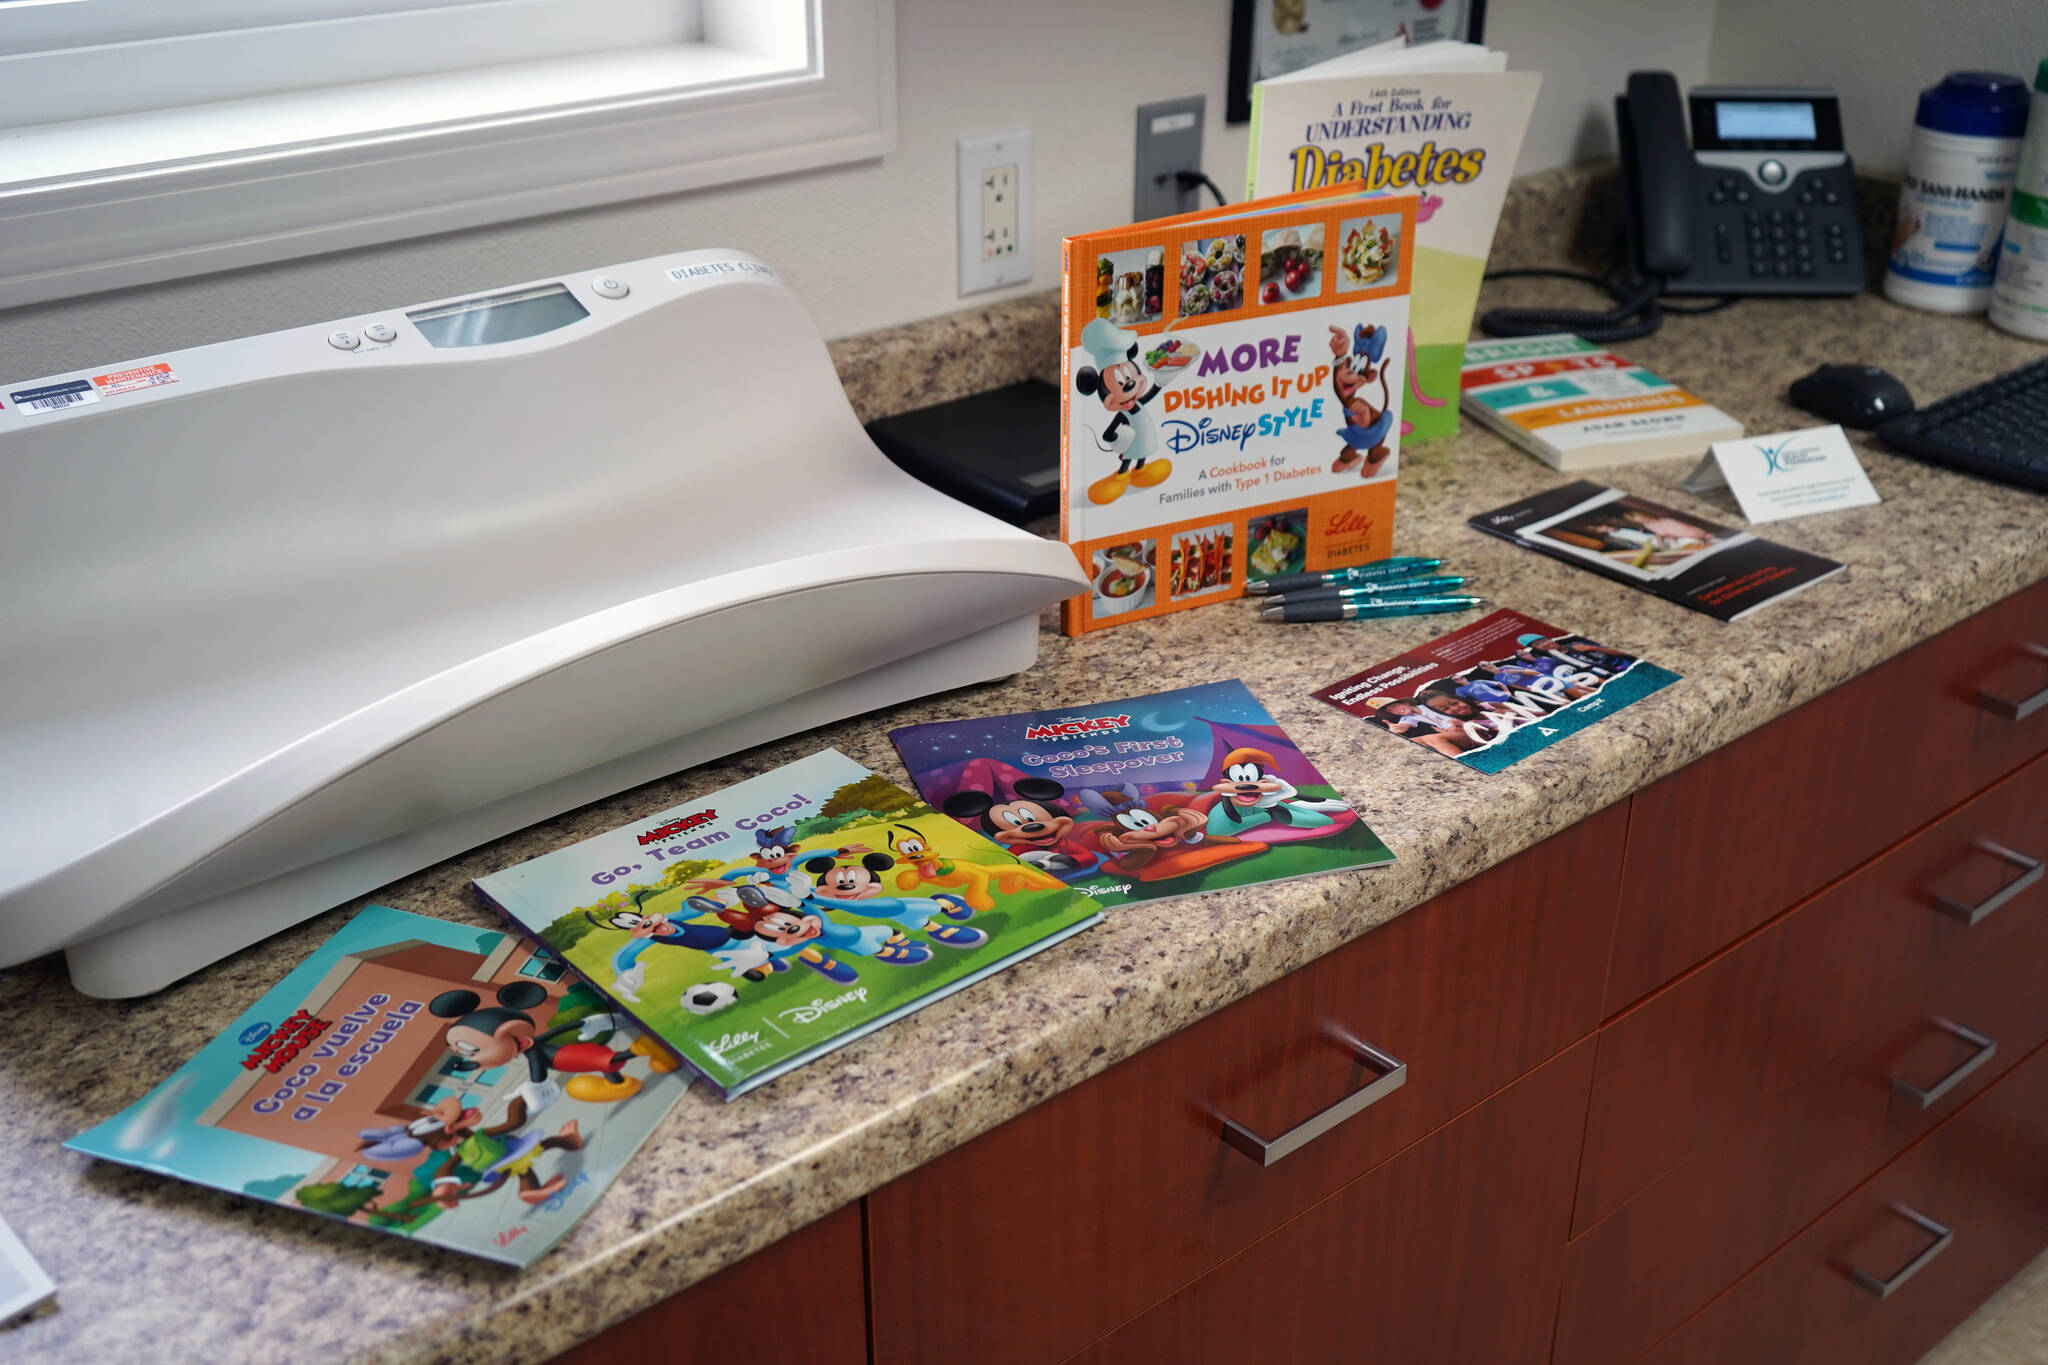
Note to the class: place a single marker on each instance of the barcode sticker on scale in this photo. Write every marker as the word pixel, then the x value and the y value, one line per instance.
pixel 54 397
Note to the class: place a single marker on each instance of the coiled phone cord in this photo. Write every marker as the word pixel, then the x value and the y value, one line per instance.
pixel 1637 312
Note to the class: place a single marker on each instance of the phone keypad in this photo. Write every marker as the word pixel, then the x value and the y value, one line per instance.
pixel 1799 237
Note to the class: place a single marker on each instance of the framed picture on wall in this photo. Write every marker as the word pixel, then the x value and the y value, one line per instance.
pixel 1271 37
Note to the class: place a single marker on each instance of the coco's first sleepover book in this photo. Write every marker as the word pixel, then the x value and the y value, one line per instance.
pixel 768 923
pixel 1228 385
pixel 1143 798
pixel 1676 555
pixel 447 1083
pixel 1444 120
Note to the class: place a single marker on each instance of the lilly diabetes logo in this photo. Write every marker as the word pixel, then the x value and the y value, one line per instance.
pixel 1068 726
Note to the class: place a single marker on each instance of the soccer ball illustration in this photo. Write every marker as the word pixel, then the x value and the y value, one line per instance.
pixel 709 998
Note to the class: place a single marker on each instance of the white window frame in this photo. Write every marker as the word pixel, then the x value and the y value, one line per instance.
pixel 733 90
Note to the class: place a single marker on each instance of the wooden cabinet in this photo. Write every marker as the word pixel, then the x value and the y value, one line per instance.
pixel 1636 1275
pixel 799 1302
pixel 1704 1057
pixel 1980 1177
pixel 1724 844
pixel 1111 1196
pixel 1448 1252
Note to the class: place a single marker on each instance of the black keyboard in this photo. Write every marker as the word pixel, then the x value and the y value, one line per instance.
pixel 1998 430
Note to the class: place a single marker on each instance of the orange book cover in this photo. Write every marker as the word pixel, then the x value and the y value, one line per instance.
pixel 1229 389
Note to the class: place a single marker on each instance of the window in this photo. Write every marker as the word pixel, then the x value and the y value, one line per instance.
pixel 543 967
pixel 366 1175
pixel 147 141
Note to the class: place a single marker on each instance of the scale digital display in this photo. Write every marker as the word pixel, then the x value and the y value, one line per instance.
pixel 1764 121
pixel 499 317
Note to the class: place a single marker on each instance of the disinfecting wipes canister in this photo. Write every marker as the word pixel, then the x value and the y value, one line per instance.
pixel 1959 172
pixel 2019 297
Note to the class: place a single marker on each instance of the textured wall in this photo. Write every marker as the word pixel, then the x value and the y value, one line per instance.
pixel 1877 54
pixel 872 244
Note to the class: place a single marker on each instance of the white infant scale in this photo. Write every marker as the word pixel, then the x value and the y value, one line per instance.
pixel 329 608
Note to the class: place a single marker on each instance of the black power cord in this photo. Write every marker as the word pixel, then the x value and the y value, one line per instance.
pixel 1637 312
pixel 1188 180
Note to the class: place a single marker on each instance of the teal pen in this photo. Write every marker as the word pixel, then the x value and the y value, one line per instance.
pixel 1399 587
pixel 1404 566
pixel 1367 609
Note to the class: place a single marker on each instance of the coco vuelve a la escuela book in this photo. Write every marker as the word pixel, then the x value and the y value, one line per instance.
pixel 451 1084
pixel 1443 119
pixel 1225 398
pixel 767 923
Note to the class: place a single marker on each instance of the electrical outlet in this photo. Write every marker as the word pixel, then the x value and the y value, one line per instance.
pixel 1169 140
pixel 995 210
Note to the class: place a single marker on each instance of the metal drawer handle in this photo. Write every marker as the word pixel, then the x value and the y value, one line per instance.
pixel 1928 1098
pixel 1393 1075
pixel 2030 872
pixel 2025 706
pixel 1884 1289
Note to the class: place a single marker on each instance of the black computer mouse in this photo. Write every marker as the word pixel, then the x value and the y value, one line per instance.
pixel 1859 396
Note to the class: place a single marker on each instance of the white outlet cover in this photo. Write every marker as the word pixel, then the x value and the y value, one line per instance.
pixel 977 157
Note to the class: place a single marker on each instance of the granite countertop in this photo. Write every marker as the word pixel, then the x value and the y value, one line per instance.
pixel 152 1268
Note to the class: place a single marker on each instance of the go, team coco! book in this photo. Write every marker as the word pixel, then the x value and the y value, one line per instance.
pixel 766 924
pixel 1230 386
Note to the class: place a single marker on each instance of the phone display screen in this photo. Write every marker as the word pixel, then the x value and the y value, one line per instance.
pixel 1758 120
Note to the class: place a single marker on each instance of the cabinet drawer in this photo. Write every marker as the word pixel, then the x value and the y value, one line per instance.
pixel 1703 1056
pixel 824 1323
pixel 1112 1195
pixel 1446 1253
pixel 1980 1175
pixel 1723 1210
pixel 1729 841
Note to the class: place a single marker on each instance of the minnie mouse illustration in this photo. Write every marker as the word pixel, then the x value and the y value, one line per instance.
pixel 1029 825
pixel 1357 360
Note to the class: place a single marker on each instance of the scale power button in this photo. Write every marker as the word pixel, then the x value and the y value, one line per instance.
pixel 343 341
pixel 609 287
pixel 380 332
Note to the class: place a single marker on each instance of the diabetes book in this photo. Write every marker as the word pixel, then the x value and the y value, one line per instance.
pixel 455 1085
pixel 1679 556
pixel 1443 119
pixel 1142 798
pixel 1230 384
pixel 763 925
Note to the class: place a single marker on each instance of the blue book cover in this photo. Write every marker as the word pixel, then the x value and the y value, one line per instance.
pixel 1140 798
pixel 446 1083
pixel 765 924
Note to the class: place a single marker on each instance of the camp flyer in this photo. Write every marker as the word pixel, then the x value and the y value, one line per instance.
pixel 1495 692
pixel 1227 397
pixel 765 924
pixel 446 1083
pixel 1144 798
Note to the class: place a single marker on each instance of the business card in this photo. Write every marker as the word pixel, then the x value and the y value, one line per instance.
pixel 1786 474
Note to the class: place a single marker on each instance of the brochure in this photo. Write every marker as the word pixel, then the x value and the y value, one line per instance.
pixel 1575 405
pixel 451 1084
pixel 1225 398
pixel 1442 119
pixel 1497 691
pixel 1142 798
pixel 762 926
pixel 1679 556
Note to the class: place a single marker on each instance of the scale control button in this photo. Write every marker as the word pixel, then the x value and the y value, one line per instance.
pixel 343 341
pixel 1772 172
pixel 609 287
pixel 380 332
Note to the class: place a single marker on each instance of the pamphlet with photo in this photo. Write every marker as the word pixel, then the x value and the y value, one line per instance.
pixel 1493 693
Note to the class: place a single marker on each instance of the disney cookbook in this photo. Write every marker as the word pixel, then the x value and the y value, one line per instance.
pixel 1229 396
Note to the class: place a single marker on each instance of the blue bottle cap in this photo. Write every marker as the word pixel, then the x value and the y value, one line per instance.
pixel 1978 103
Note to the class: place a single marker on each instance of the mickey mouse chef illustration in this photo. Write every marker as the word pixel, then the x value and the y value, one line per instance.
pixel 1125 389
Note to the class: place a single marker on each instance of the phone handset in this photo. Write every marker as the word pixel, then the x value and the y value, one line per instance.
pixel 1658 186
